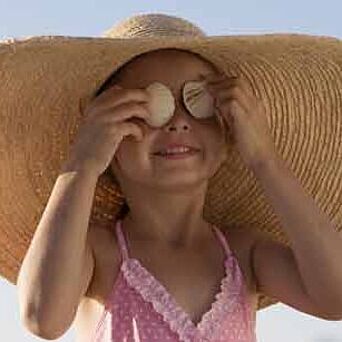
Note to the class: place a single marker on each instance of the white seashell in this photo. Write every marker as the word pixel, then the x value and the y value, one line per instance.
pixel 161 104
pixel 198 100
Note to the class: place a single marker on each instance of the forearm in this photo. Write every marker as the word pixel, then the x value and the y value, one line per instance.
pixel 316 245
pixel 52 265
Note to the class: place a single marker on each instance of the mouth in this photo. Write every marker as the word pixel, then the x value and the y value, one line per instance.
pixel 176 156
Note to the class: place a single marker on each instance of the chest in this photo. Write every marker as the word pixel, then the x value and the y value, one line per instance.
pixel 192 278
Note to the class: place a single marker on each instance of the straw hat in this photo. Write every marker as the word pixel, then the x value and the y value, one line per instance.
pixel 298 77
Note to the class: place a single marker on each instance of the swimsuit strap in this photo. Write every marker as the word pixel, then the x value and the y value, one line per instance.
pixel 121 240
pixel 222 239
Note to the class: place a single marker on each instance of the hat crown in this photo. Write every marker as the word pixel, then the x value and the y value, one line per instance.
pixel 153 25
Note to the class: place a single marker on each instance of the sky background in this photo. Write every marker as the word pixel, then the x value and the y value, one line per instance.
pixel 279 323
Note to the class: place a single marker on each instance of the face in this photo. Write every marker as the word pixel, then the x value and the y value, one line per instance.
pixel 134 162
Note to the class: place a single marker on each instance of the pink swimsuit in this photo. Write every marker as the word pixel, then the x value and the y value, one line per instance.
pixel 140 309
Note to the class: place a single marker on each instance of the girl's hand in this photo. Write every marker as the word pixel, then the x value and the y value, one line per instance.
pixel 245 115
pixel 105 125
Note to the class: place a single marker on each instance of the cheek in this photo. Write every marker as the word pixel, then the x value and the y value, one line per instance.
pixel 214 139
pixel 215 123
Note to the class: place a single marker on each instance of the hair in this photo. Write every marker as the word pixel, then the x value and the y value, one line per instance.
pixel 116 76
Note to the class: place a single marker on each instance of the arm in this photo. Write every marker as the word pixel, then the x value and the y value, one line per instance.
pixel 58 265
pixel 316 255
pixel 314 259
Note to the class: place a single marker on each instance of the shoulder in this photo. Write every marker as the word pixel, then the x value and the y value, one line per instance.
pixel 241 240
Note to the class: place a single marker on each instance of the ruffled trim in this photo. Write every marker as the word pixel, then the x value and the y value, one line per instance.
pixel 152 291
pixel 138 277
pixel 225 302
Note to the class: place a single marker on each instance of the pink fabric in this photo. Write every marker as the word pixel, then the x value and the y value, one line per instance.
pixel 140 309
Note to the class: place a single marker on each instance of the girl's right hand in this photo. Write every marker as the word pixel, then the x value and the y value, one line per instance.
pixel 104 127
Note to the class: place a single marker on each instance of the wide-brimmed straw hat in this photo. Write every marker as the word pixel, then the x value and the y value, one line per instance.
pixel 43 80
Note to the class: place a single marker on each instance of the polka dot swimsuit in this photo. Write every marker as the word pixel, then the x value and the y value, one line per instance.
pixel 140 309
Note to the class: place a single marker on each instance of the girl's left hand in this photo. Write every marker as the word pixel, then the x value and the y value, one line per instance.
pixel 237 105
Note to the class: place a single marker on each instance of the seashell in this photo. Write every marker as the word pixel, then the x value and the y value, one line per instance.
pixel 161 105
pixel 198 100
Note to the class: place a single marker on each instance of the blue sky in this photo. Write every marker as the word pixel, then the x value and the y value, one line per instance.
pixel 278 323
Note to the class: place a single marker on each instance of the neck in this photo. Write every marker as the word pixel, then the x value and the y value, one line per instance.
pixel 185 233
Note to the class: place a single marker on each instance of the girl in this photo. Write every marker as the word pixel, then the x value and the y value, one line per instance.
pixel 161 272
pixel 177 251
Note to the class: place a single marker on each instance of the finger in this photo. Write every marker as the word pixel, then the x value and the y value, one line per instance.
pixel 226 95
pixel 227 106
pixel 226 124
pixel 214 76
pixel 117 95
pixel 238 83
pixel 129 110
pixel 132 111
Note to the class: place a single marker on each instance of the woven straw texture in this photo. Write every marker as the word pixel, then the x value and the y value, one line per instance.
pixel 298 78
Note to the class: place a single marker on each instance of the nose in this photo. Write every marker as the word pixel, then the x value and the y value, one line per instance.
pixel 177 122
pixel 180 119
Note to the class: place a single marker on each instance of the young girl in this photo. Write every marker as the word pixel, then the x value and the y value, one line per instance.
pixel 184 268
pixel 161 272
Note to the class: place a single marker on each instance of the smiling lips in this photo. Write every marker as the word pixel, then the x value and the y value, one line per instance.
pixel 178 155
pixel 177 149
